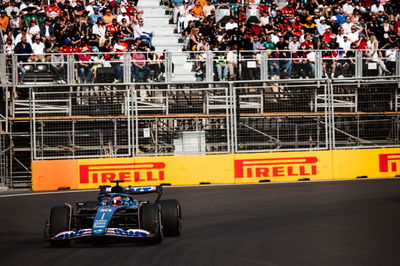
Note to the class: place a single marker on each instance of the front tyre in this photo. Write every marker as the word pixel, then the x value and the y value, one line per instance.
pixel 171 214
pixel 151 221
pixel 60 219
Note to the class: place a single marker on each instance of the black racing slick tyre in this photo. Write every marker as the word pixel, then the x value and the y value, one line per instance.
pixel 60 219
pixel 171 216
pixel 151 221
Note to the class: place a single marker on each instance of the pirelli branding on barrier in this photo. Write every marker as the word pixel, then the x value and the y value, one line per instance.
pixel 389 162
pixel 216 169
pixel 276 167
pixel 137 172
pixel 131 173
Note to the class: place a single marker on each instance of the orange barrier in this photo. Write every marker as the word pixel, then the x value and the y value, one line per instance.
pixel 216 169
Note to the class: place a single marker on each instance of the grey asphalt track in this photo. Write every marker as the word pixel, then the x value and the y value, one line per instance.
pixel 318 223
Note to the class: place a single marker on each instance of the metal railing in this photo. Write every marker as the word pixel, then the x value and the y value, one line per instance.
pixel 4 150
pixel 145 119
pixel 212 66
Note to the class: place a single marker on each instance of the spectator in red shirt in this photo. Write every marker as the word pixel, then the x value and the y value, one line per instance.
pixel 297 27
pixel 52 10
pixel 85 67
pixel 288 11
pixel 327 34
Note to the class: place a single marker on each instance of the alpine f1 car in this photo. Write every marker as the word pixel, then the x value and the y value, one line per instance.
pixel 116 214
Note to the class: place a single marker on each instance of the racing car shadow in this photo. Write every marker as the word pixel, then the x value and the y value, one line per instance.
pixel 109 243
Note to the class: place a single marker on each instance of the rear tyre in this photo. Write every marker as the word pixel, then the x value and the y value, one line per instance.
pixel 151 221
pixel 171 216
pixel 59 221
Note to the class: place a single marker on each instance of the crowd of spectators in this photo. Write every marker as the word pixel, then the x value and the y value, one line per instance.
pixel 291 32
pixel 97 31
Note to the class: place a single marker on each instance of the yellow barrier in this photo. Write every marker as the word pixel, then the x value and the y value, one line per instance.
pixel 282 166
pixel 216 169
pixel 366 163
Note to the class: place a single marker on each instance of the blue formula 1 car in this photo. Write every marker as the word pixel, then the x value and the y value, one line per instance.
pixel 116 214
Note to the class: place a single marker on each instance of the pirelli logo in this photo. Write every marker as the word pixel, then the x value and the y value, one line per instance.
pixel 129 172
pixel 389 162
pixel 276 167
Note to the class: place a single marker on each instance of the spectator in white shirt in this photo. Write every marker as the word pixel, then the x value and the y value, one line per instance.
pixel 321 25
pixel 377 7
pixel 345 44
pixel 347 25
pixel 353 35
pixel 348 8
pixel 189 17
pixel 123 15
pixel 38 49
pixel 231 24
pixel 34 29
pixel 208 9
pixel 23 34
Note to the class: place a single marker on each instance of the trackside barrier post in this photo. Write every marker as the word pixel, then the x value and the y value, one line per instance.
pixel 168 67
pixel 210 66
pixel 264 65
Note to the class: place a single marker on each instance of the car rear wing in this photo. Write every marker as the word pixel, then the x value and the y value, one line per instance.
pixel 146 190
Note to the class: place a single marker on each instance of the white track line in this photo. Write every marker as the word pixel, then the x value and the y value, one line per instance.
pixel 198 186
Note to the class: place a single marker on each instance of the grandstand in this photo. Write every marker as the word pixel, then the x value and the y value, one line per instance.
pixel 194 77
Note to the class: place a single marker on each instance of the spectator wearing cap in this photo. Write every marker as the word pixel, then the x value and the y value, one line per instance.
pixel 326 36
pixel 95 16
pixel 345 44
pixel 321 25
pixel 122 16
pixel 52 10
pixel 310 26
pixel 4 20
pixel 334 25
pixel 297 27
pixel 121 45
pixel 284 27
pixel 361 43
